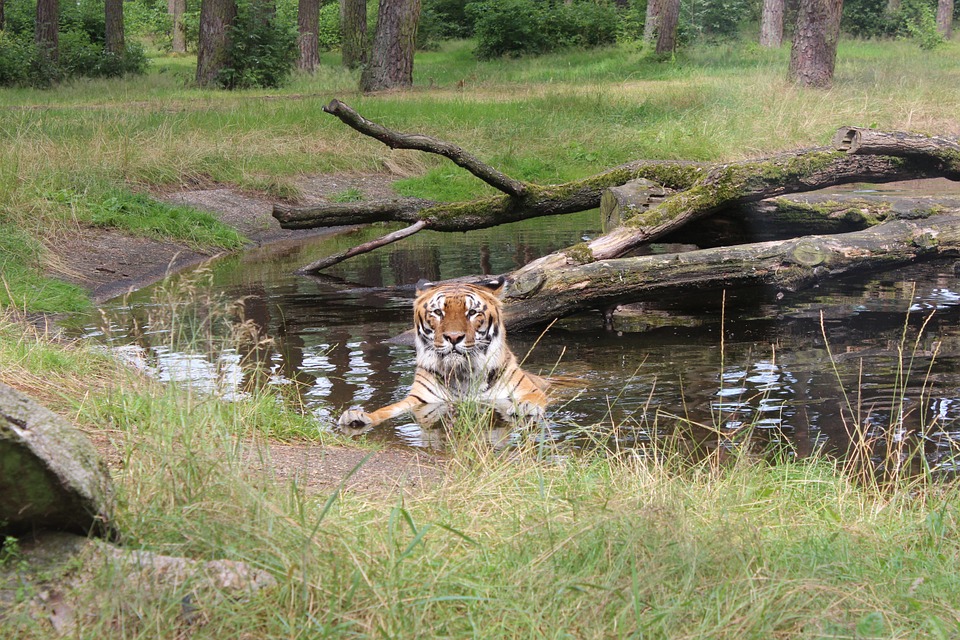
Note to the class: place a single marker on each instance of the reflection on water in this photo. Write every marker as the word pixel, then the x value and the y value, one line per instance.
pixel 755 359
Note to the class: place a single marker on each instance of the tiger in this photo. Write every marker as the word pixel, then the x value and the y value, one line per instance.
pixel 462 354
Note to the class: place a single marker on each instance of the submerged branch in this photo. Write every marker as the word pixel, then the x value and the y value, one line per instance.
pixel 366 247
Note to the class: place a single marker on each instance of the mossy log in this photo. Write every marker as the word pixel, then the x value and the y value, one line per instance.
pixel 702 189
pixel 538 297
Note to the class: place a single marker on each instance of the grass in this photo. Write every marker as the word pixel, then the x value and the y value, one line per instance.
pixel 536 542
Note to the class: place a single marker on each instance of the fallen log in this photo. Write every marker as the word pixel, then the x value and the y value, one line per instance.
pixel 702 189
pixel 788 265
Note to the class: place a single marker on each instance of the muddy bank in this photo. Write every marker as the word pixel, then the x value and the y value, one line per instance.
pixel 109 263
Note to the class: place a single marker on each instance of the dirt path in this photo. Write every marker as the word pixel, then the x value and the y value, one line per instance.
pixel 109 264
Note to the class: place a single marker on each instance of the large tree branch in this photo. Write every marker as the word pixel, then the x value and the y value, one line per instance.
pixel 788 264
pixel 547 200
pixel 739 183
pixel 855 140
pixel 860 155
pixel 420 142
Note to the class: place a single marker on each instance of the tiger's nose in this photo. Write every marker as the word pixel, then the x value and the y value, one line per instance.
pixel 454 337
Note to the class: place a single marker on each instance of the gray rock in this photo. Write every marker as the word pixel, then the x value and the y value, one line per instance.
pixel 51 476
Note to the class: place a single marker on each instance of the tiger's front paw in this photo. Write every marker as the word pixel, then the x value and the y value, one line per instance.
pixel 355 419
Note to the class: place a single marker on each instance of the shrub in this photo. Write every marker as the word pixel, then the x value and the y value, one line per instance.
pixel 263 51
pixel 329 30
pixel 17 56
pixel 917 20
pixel 81 48
pixel 715 19
pixel 517 27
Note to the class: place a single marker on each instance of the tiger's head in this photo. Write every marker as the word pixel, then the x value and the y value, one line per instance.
pixel 459 326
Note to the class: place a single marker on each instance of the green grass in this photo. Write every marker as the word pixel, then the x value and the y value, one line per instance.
pixel 537 543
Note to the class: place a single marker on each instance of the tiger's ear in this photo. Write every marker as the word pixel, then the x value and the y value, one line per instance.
pixel 494 284
pixel 423 285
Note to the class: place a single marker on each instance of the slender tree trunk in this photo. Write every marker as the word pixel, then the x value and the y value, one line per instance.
pixel 945 18
pixel 771 24
pixel 893 6
pixel 814 52
pixel 47 35
pixel 216 18
pixel 2 19
pixel 651 21
pixel 661 25
pixel 353 26
pixel 391 60
pixel 308 23
pixel 113 18
pixel 176 9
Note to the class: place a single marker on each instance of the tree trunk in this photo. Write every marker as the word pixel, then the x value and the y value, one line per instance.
pixel 789 265
pixel 3 20
pixel 391 60
pixel 661 25
pixel 667 36
pixel 771 24
pixel 113 18
pixel 945 18
pixel 216 19
pixel 893 6
pixel 308 17
pixel 814 52
pixel 178 34
pixel 47 35
pixel 353 27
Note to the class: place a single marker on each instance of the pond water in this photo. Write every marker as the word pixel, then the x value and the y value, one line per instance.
pixel 879 354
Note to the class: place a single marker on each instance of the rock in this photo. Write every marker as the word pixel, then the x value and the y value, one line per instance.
pixel 51 476
pixel 52 578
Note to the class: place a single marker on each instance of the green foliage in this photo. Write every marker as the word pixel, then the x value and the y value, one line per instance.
pixel 328 32
pixel 263 50
pixel 518 27
pixel 917 20
pixel 443 20
pixel 866 18
pixel 81 48
pixel 714 19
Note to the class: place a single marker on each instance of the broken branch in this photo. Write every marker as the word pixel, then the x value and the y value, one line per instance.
pixel 420 142
pixel 366 247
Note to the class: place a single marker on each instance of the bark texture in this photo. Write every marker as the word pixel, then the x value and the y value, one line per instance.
pixel 113 15
pixel 661 25
pixel 391 58
pixel 216 18
pixel 945 18
pixel 814 52
pixel 47 34
pixel 789 265
pixel 178 32
pixel 771 24
pixel 353 27
pixel 308 25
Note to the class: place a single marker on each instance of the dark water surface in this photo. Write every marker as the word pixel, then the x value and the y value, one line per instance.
pixel 759 358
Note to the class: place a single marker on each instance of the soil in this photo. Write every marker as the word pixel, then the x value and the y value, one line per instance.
pixel 109 264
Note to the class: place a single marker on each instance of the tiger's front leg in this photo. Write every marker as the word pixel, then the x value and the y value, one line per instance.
pixel 358 418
